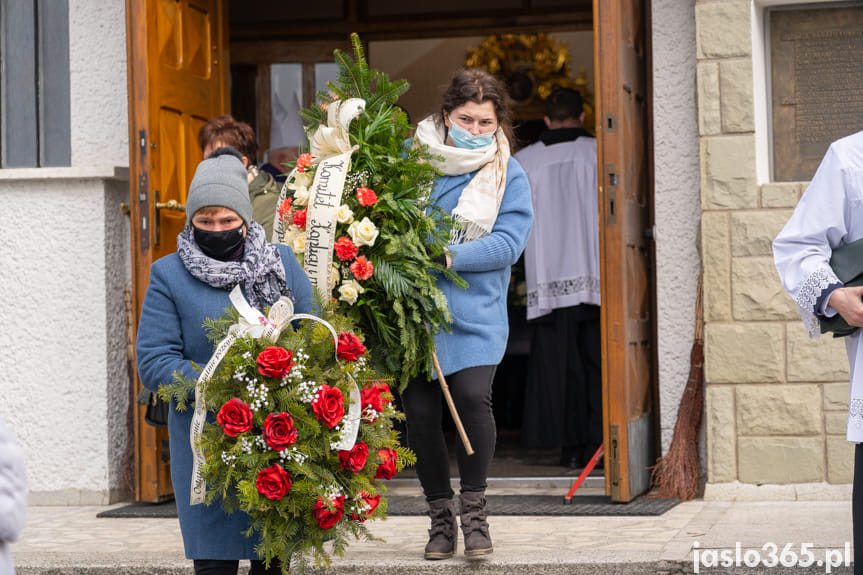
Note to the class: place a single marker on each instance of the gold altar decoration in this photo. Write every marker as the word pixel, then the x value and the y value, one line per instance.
pixel 531 66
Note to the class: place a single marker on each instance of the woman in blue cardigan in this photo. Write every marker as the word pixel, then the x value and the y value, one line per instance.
pixel 220 247
pixel 487 193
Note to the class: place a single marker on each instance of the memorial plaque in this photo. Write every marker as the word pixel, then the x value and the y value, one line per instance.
pixel 816 60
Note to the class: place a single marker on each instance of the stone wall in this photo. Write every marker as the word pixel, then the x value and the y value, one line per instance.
pixel 776 401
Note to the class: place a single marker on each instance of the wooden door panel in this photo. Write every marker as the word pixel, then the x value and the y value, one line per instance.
pixel 177 58
pixel 626 275
pixel 167 23
pixel 196 42
pixel 169 177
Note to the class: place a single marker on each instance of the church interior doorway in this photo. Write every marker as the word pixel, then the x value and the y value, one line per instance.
pixel 279 57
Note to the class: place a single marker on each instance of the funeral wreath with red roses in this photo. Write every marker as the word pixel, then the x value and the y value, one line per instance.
pixel 279 447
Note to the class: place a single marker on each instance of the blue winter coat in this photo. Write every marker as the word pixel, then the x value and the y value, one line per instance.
pixel 480 327
pixel 170 338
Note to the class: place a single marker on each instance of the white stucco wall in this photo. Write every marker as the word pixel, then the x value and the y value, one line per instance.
pixel 677 199
pixel 98 91
pixel 63 384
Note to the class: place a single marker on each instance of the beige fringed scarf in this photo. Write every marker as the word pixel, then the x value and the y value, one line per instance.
pixel 480 200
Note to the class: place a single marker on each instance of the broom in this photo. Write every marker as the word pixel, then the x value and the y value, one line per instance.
pixel 675 474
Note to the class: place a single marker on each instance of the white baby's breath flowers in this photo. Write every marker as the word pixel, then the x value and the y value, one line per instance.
pixel 308 391
pixel 331 492
pixel 293 454
pixel 259 394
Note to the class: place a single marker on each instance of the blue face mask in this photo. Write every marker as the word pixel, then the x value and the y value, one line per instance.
pixel 464 139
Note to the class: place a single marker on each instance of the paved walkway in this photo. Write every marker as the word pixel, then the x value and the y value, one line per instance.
pixel 72 540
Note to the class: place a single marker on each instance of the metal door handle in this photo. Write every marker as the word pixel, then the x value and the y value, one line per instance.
pixel 172 205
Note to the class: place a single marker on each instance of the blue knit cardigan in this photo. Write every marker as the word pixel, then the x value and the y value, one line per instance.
pixel 170 338
pixel 480 327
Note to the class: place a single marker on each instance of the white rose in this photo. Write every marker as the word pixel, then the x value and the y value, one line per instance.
pixel 289 235
pixel 363 233
pixel 301 196
pixel 349 291
pixel 335 274
pixel 300 180
pixel 299 243
pixel 345 215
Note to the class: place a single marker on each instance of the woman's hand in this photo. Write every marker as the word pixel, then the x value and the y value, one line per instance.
pixel 848 301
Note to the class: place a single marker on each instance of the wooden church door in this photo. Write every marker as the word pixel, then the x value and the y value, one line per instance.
pixel 629 406
pixel 178 74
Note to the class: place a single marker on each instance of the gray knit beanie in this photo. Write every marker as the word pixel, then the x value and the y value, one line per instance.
pixel 220 181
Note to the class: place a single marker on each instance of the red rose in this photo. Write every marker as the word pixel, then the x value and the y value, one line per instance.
pixel 349 347
pixel 273 482
pixel 275 362
pixel 387 466
pixel 345 249
pixel 235 417
pixel 325 517
pixel 285 209
pixel 329 406
pixel 279 430
pixel 366 196
pixel 362 268
pixel 303 162
pixel 355 459
pixel 372 502
pixel 300 218
pixel 372 399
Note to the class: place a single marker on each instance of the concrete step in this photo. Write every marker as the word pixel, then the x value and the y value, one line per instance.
pixel 454 566
pixel 74 541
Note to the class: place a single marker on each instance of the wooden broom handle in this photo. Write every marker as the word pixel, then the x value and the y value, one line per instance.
pixel 445 388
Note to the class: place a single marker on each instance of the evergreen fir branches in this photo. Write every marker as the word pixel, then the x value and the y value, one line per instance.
pixel 286 524
pixel 399 307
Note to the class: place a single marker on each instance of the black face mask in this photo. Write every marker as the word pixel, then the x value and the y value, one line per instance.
pixel 220 245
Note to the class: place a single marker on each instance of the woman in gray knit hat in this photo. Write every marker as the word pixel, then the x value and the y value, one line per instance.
pixel 221 247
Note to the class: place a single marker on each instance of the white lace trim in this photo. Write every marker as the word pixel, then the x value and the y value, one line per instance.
pixel 855 413
pixel 807 296
pixel 561 288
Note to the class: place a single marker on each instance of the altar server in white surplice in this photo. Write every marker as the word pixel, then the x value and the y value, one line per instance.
pixel 829 215
pixel 563 403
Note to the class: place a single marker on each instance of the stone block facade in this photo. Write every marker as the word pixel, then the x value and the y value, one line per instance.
pixel 776 401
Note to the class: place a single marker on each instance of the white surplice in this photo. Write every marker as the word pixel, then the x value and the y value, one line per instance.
pixel 562 254
pixel 830 214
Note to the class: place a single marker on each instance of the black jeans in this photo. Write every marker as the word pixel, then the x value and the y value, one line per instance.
pixel 471 393
pixel 229 567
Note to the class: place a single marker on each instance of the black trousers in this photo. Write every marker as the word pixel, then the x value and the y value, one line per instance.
pixel 857 509
pixel 563 398
pixel 471 393
pixel 229 567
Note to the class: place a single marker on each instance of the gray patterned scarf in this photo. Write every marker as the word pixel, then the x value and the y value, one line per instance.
pixel 260 272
